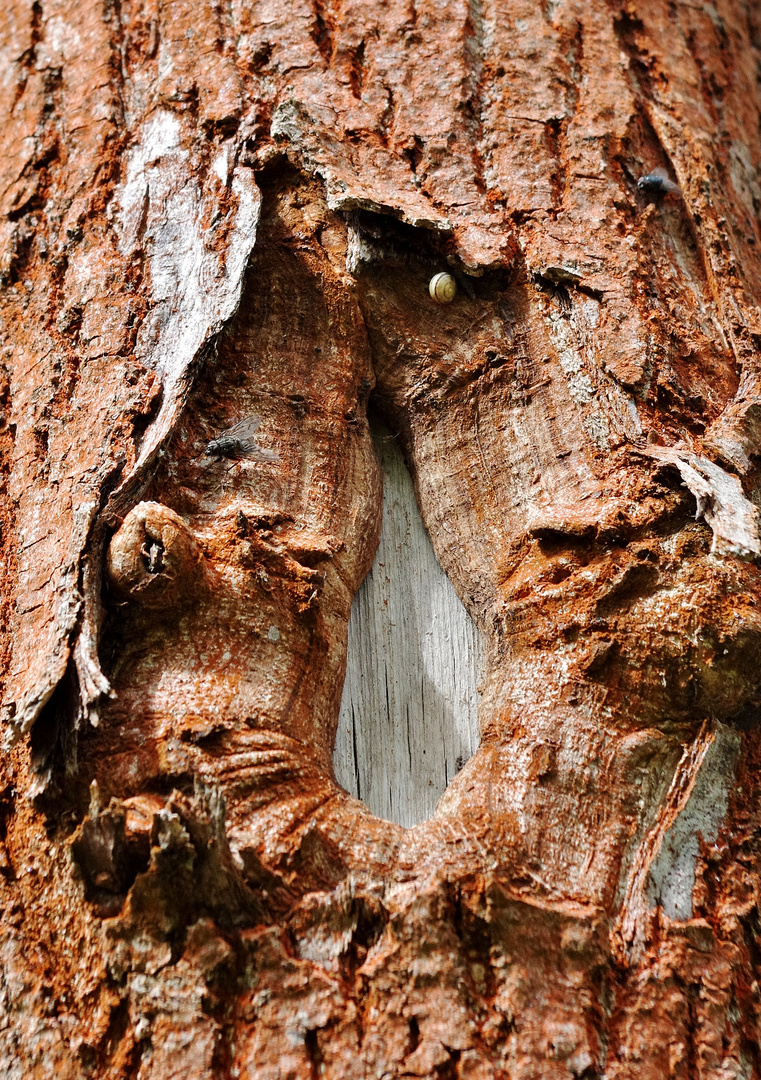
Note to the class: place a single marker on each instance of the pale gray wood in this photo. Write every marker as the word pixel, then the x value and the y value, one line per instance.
pixel 409 712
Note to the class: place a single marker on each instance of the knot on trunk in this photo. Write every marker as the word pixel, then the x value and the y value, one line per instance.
pixel 153 558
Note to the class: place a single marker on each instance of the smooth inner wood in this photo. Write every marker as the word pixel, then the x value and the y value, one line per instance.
pixel 409 712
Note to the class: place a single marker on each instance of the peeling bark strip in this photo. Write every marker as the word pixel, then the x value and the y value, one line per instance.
pixel 656 879
pixel 720 500
pixel 216 212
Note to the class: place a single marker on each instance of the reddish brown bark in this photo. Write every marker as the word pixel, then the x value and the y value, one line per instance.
pixel 214 211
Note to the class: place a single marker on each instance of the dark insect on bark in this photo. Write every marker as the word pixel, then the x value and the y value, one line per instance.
pixel 237 443
pixel 657 182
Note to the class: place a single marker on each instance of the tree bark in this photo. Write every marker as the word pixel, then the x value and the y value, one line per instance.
pixel 220 221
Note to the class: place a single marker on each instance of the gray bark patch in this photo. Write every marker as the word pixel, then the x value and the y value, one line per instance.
pixel 672 875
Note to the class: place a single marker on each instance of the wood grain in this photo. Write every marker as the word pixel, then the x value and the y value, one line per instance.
pixel 409 712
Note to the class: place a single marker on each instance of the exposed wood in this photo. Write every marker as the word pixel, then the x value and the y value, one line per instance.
pixel 409 712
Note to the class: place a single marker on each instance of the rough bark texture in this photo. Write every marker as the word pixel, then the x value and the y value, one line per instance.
pixel 218 210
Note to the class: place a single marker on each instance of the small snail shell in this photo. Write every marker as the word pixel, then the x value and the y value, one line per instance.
pixel 443 288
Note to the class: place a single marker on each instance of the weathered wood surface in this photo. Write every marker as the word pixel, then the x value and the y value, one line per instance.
pixel 212 211
pixel 409 711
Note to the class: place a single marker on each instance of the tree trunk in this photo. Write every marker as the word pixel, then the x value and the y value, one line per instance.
pixel 220 222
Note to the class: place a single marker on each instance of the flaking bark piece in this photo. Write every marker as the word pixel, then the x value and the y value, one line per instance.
pixel 318 151
pixel 109 859
pixel 721 502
